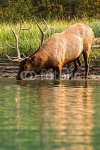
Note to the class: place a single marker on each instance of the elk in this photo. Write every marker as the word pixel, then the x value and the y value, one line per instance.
pixel 58 50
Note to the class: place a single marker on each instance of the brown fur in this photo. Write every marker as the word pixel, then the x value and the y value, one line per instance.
pixel 62 48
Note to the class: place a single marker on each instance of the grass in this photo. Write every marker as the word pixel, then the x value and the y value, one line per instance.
pixel 29 40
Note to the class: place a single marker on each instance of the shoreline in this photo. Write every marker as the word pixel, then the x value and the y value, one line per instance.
pixel 9 69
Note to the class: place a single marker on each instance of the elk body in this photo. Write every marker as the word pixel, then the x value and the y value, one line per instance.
pixel 60 49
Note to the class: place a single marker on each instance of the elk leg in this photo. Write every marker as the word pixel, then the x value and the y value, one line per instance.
pixel 77 65
pixel 57 72
pixel 79 62
pixel 86 60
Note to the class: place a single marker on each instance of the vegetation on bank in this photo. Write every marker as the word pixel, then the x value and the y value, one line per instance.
pixel 29 39
pixel 15 10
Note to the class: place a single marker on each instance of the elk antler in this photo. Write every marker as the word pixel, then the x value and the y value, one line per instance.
pixel 18 58
pixel 43 35
pixel 43 32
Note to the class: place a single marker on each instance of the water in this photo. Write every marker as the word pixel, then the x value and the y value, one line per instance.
pixel 41 115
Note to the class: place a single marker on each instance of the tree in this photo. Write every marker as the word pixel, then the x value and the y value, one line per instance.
pixel 14 10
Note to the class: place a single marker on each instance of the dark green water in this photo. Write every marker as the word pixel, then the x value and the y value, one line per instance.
pixel 41 115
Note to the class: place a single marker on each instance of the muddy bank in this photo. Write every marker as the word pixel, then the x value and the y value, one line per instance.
pixel 9 69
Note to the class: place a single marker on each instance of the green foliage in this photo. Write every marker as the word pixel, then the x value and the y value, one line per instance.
pixel 15 10
pixel 96 28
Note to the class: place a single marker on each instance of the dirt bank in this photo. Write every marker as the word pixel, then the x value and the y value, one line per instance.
pixel 9 69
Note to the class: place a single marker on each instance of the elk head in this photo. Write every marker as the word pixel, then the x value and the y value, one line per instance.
pixel 26 62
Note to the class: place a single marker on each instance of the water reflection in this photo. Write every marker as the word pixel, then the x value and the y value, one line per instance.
pixel 73 116
pixel 47 116
pixel 65 115
pixel 17 119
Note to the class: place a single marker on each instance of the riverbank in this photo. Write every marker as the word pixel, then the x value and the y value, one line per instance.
pixel 9 69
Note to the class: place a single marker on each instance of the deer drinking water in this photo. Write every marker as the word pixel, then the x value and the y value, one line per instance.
pixel 58 50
